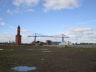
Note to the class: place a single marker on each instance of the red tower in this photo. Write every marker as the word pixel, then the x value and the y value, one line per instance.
pixel 18 36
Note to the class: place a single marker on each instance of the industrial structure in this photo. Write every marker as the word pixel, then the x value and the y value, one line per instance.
pixel 62 36
pixel 18 36
pixel 48 42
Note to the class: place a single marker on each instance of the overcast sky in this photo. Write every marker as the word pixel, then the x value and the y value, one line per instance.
pixel 74 18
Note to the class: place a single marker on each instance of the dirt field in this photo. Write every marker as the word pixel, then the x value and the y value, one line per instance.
pixel 48 59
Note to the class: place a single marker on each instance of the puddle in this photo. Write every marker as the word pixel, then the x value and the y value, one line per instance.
pixel 1 49
pixel 23 68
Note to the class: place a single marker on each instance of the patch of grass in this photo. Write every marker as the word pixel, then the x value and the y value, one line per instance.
pixel 65 59
pixel 7 59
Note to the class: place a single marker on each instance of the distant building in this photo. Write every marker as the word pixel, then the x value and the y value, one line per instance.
pixel 18 36
pixel 48 42
pixel 56 43
pixel 65 43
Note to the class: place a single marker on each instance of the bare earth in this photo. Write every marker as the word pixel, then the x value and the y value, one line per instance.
pixel 48 59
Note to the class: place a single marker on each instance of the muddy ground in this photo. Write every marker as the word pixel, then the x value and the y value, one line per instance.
pixel 46 59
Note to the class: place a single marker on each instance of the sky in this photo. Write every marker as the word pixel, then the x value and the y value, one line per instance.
pixel 74 18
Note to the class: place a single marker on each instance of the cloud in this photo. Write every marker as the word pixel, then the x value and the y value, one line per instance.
pixel 25 33
pixel 29 10
pixel 92 21
pixel 82 29
pixel 1 19
pixel 2 23
pixel 82 34
pixel 28 3
pixel 15 11
pixel 60 4
pixel 22 6
pixel 6 37
pixel 19 11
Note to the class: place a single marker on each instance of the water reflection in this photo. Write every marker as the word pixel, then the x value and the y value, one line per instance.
pixel 1 49
pixel 24 68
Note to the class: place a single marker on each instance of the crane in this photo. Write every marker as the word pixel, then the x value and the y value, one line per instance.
pixel 62 36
